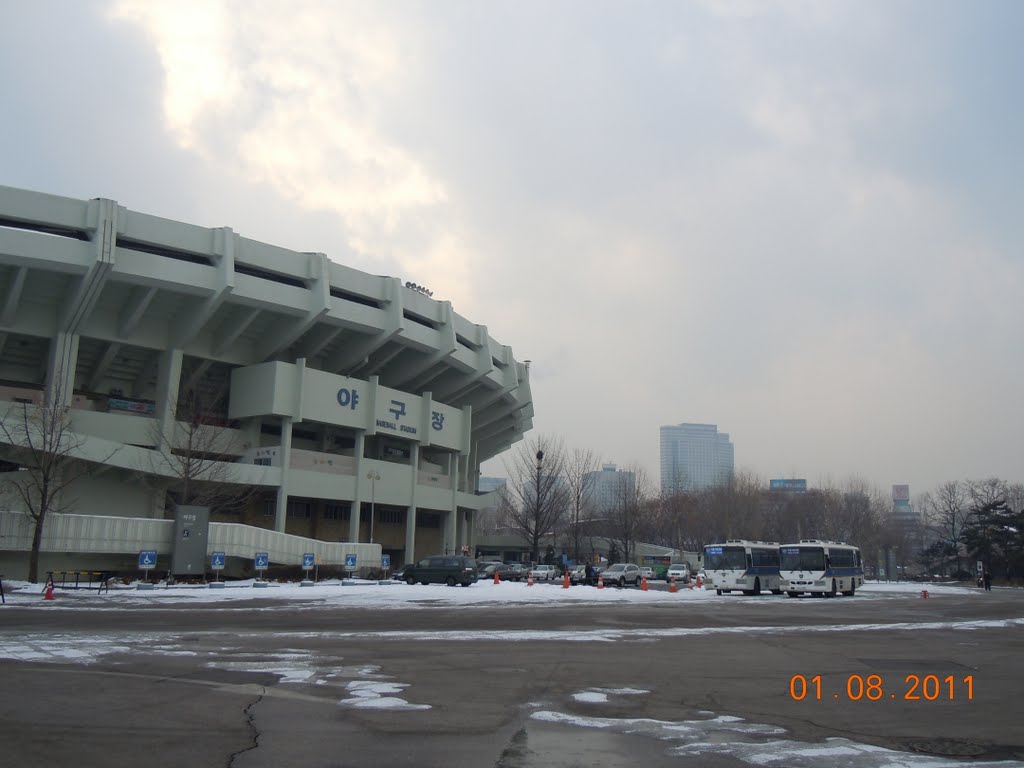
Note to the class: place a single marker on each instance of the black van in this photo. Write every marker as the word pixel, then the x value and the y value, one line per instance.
pixel 443 569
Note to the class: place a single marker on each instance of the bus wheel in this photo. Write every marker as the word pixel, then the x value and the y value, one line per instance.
pixel 757 587
pixel 852 590
pixel 792 594
pixel 832 592
pixel 718 591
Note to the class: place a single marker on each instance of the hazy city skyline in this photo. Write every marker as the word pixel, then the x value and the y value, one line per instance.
pixel 797 220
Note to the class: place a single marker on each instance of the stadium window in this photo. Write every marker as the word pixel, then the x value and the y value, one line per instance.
pixel 301 509
pixel 336 512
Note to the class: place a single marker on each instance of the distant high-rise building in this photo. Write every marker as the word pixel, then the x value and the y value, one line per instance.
pixel 609 487
pixel 694 457
pixel 788 485
pixel 903 512
pixel 487 484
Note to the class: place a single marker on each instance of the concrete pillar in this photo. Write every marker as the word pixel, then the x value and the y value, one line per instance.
pixel 60 368
pixel 168 380
pixel 410 514
pixel 285 453
pixel 357 500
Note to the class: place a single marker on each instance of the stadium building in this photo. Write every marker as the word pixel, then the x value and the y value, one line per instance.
pixel 340 413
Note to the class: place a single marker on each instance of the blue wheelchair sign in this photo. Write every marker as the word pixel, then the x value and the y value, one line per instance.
pixel 385 561
pixel 308 561
pixel 147 559
pixel 262 561
pixel 217 561
pixel 350 562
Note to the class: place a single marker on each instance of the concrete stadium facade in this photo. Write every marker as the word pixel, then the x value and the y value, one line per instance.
pixel 359 406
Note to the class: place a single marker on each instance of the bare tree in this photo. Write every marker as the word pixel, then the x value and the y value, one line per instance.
pixel 628 508
pixel 946 512
pixel 198 453
pixel 44 450
pixel 535 496
pixel 580 464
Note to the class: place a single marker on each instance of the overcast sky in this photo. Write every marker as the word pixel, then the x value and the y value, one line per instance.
pixel 800 221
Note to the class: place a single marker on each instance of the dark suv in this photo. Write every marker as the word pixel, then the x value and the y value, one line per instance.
pixel 443 569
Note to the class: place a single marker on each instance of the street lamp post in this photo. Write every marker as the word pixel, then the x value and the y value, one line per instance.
pixel 373 476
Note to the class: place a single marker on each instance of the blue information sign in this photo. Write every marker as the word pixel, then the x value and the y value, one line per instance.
pixel 350 562
pixel 217 561
pixel 147 559
pixel 308 561
pixel 262 561
pixel 385 561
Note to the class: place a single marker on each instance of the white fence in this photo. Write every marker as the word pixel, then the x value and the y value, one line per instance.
pixel 129 535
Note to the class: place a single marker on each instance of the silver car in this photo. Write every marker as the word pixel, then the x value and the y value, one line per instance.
pixel 622 574
pixel 679 571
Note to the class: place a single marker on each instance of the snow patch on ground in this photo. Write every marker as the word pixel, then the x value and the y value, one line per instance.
pixel 366 694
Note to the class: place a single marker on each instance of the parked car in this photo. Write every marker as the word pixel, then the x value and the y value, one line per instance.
pixel 647 571
pixel 622 574
pixel 545 573
pixel 578 575
pixel 399 575
pixel 443 569
pixel 518 571
pixel 679 571
pixel 504 572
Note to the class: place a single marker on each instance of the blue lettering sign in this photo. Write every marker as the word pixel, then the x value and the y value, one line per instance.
pixel 348 398
pixel 397 408
pixel 437 420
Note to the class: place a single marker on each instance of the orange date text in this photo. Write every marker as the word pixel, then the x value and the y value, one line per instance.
pixel 876 688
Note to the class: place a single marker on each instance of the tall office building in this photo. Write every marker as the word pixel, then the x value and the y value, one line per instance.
pixel 609 487
pixel 694 457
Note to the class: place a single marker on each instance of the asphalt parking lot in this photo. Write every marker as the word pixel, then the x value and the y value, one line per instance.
pixel 712 682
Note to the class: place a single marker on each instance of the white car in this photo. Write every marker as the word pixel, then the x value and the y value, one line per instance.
pixel 679 572
pixel 545 573
pixel 647 572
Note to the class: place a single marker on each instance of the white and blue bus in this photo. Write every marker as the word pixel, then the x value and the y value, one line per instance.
pixel 820 567
pixel 738 564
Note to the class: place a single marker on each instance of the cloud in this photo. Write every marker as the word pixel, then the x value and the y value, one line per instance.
pixel 288 96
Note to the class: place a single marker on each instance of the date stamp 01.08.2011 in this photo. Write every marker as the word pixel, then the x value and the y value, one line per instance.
pixel 876 688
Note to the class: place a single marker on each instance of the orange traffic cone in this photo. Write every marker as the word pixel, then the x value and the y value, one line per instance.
pixel 529 579
pixel 672 585
pixel 565 581
pixel 643 583
pixel 497 576
pixel 49 591
pixel 698 585
pixel 600 581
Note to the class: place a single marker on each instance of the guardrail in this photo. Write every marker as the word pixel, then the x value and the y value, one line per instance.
pixel 98 580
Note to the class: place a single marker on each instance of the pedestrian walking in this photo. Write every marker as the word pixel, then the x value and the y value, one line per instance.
pixel 987 578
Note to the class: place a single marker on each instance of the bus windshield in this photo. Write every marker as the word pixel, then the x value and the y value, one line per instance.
pixel 802 559
pixel 725 559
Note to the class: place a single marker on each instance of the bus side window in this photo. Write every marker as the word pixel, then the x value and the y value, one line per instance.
pixel 750 561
